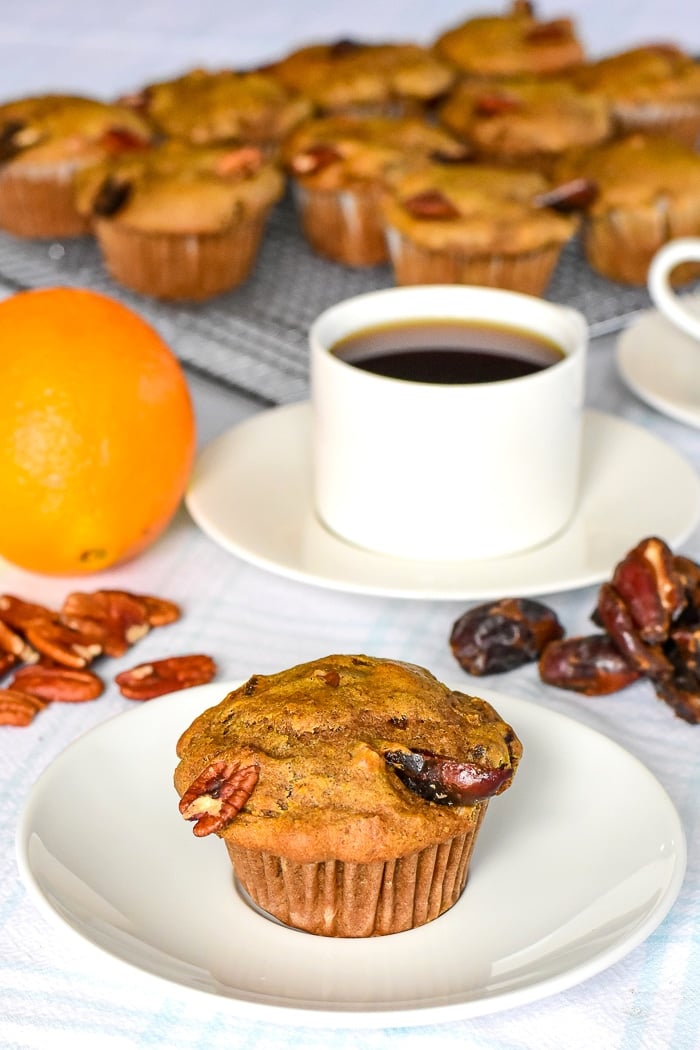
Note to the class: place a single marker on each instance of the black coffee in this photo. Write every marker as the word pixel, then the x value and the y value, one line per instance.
pixel 448 352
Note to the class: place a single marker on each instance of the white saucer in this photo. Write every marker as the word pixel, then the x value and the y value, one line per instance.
pixel 661 365
pixel 251 493
pixel 570 873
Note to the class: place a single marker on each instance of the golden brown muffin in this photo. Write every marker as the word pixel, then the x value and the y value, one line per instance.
pixel 367 79
pixel 526 121
pixel 474 224
pixel 340 166
pixel 181 221
pixel 45 142
pixel 654 89
pixel 207 107
pixel 648 193
pixel 512 44
pixel 348 790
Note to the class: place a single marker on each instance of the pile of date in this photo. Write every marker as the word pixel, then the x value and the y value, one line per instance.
pixel 648 620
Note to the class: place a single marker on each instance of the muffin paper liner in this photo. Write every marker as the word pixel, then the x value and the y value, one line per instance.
pixel 343 225
pixel 346 899
pixel 37 204
pixel 180 266
pixel 528 272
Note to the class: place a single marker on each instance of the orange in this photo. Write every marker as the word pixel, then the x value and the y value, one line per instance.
pixel 97 431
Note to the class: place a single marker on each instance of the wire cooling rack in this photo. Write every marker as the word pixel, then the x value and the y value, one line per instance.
pixel 254 338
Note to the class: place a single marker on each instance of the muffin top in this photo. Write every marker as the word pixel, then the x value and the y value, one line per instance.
pixel 208 107
pixel 346 757
pixel 514 119
pixel 651 74
pixel 337 152
pixel 180 188
pixel 351 75
pixel 638 171
pixel 56 129
pixel 476 208
pixel 511 44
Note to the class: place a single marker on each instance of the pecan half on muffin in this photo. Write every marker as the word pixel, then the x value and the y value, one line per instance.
pixel 340 167
pixel 181 221
pixel 45 142
pixel 654 88
pixel 475 224
pixel 348 791
pixel 648 192
pixel 208 107
pixel 393 79
pixel 511 44
pixel 527 121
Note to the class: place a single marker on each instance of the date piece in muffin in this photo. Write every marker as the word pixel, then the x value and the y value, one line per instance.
pixel 512 44
pixel 654 89
pixel 475 224
pixel 212 107
pixel 648 192
pixel 340 167
pixel 348 791
pixel 528 121
pixel 45 142
pixel 181 221
pixel 356 77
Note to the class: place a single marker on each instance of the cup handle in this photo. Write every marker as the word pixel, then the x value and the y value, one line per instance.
pixel 684 249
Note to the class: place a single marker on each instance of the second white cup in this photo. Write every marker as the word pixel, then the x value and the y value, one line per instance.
pixel 434 470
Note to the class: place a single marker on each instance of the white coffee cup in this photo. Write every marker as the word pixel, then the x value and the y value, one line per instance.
pixel 429 471
pixel 681 250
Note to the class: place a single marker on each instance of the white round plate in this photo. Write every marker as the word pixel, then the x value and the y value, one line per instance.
pixel 661 365
pixel 251 493
pixel 571 871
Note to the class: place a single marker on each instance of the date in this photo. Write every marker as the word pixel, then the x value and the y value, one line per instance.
pixel 500 636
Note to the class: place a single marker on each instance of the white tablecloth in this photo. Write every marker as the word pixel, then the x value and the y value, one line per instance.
pixel 53 993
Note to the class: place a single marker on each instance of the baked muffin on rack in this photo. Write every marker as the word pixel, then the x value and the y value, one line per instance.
pixel 208 107
pixel 45 141
pixel 512 44
pixel 339 167
pixel 180 221
pixel 654 89
pixel 475 224
pixel 526 121
pixel 348 791
pixel 648 192
pixel 355 77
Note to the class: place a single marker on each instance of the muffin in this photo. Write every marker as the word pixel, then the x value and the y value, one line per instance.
pixel 366 79
pixel 181 221
pixel 474 224
pixel 348 791
pixel 339 168
pixel 653 89
pixel 209 108
pixel 648 192
pixel 512 44
pixel 45 141
pixel 528 121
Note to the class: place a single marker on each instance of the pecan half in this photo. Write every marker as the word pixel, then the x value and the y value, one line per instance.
pixel 66 684
pixel 592 665
pixel 218 795
pixel 18 708
pixel 7 660
pixel 568 196
pixel 430 204
pixel 61 643
pixel 19 613
pixel 245 160
pixel 494 103
pixel 12 642
pixel 444 780
pixel 113 619
pixel 118 140
pixel 149 680
pixel 160 611
pixel 313 159
pixel 549 32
